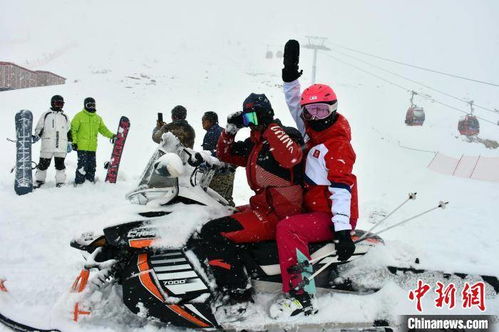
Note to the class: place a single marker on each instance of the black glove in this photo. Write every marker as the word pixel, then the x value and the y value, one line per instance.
pixel 344 245
pixel 290 71
pixel 113 139
pixel 234 122
pixel 195 160
pixel 236 119
pixel 75 147
pixel 34 138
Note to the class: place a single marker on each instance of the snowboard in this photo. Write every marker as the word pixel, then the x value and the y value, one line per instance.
pixel 24 176
pixel 114 164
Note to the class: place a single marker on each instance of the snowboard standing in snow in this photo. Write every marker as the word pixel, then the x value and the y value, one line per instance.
pixel 113 165
pixel 24 176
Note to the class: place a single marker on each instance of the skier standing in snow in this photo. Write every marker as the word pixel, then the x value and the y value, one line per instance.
pixel 53 129
pixel 330 186
pixel 178 127
pixel 223 181
pixel 84 128
pixel 272 156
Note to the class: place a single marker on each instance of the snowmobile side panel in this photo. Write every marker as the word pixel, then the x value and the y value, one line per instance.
pixel 144 289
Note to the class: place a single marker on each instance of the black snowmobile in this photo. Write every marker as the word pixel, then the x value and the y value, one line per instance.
pixel 171 284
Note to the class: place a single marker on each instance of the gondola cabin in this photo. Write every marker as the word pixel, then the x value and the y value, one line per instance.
pixel 278 54
pixel 469 125
pixel 269 55
pixel 415 116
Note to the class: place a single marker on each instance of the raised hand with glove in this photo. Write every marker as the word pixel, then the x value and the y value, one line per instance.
pixel 234 122
pixel 291 72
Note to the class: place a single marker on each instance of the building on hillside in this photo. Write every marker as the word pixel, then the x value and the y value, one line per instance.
pixel 13 76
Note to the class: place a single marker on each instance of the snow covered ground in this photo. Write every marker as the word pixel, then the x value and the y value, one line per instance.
pixel 140 59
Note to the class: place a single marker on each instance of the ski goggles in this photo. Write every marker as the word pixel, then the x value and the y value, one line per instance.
pixel 90 105
pixel 250 118
pixel 318 111
pixel 58 103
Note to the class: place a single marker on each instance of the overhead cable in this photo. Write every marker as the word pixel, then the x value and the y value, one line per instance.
pixel 413 81
pixel 428 97
pixel 418 67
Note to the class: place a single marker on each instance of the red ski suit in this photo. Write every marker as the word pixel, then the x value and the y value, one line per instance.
pixel 274 172
pixel 330 190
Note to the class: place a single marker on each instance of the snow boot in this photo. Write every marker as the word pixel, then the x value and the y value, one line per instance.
pixel 293 305
pixel 233 305
pixel 60 177
pixel 40 178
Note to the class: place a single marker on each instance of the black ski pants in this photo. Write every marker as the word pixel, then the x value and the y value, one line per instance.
pixel 86 167
pixel 223 255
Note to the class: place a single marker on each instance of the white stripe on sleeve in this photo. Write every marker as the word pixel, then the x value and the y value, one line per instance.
pixel 341 199
pixel 293 94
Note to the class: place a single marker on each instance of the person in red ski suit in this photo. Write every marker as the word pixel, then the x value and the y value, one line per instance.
pixel 330 197
pixel 272 156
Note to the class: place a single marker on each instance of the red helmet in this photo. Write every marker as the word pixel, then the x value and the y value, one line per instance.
pixel 318 93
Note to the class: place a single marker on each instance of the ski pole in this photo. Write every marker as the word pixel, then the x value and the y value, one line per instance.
pixel 305 281
pixel 412 196
pixel 11 140
pixel 441 205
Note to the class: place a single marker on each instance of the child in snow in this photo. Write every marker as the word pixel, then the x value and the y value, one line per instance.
pixel 54 130
pixel 84 128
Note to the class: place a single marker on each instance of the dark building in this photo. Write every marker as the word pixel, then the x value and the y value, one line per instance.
pixel 13 77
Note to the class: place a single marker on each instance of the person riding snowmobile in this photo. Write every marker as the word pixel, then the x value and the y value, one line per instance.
pixel 330 197
pixel 54 130
pixel 272 156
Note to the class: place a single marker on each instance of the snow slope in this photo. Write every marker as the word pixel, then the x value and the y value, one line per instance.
pixel 137 60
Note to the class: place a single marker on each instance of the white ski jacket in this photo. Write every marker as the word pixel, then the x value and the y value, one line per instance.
pixel 54 130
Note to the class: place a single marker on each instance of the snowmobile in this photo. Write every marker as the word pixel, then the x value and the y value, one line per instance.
pixel 171 284
pixel 165 278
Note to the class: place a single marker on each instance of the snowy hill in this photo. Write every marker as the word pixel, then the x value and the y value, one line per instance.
pixel 137 60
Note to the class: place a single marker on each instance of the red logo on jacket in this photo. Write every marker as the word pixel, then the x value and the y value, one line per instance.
pixel 316 154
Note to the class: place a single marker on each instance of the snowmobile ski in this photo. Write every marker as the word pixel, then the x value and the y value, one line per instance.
pixel 21 327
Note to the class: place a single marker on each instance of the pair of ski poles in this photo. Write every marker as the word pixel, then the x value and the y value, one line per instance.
pixel 365 236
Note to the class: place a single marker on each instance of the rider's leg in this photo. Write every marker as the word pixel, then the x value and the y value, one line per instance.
pixel 297 232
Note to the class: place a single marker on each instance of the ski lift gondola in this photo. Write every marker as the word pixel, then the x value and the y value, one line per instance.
pixel 469 125
pixel 269 55
pixel 278 54
pixel 415 115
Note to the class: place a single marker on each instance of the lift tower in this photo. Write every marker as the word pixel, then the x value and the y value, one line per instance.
pixel 316 44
